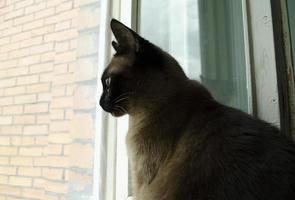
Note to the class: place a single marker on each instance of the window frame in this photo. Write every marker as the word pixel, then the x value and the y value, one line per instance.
pixel 263 102
pixel 105 180
pixel 263 61
pixel 101 160
pixel 285 66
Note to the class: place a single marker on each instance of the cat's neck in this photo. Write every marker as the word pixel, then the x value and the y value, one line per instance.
pixel 190 97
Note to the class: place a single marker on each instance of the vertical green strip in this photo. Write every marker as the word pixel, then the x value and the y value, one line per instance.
pixel 291 14
pixel 223 52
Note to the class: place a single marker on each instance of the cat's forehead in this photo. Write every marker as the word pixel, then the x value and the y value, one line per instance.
pixel 119 64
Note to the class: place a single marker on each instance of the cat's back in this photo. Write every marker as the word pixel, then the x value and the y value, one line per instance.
pixel 238 156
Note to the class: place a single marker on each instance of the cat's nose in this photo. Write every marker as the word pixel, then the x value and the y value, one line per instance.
pixel 105 103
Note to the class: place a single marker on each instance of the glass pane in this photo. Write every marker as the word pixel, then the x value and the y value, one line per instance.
pixel 206 37
pixel 291 13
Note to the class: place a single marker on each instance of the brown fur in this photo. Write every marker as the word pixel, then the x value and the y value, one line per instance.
pixel 182 144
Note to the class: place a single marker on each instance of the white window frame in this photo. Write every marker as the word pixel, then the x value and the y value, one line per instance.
pixel 263 62
pixel 111 163
pixel 110 180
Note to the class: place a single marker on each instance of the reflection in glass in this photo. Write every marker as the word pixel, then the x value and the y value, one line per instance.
pixel 291 15
pixel 206 37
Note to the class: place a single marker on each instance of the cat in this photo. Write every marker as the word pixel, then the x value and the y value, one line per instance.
pixel 184 145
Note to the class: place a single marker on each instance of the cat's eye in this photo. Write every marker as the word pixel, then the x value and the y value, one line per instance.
pixel 108 81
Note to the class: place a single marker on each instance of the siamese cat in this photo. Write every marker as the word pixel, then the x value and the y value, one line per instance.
pixel 183 144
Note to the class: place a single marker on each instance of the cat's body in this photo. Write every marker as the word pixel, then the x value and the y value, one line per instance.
pixel 182 144
pixel 211 157
pixel 208 151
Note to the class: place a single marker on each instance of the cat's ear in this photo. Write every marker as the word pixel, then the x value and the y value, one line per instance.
pixel 127 39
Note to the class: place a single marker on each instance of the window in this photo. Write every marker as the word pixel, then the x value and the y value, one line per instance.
pixel 207 38
pixel 211 41
pixel 55 140
pixel 291 15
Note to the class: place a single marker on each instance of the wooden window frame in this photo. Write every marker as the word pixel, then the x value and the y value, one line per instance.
pixel 285 66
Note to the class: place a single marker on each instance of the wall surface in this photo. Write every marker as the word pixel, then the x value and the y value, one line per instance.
pixel 48 65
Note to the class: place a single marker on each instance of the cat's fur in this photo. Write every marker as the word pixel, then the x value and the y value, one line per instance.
pixel 182 144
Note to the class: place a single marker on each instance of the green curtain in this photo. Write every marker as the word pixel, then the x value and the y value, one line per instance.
pixel 223 51
pixel 291 13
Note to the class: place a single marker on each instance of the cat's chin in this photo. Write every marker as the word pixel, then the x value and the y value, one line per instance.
pixel 117 114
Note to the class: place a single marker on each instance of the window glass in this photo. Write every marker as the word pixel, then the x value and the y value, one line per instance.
pixel 206 37
pixel 291 13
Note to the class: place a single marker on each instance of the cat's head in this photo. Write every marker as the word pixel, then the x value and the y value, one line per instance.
pixel 139 75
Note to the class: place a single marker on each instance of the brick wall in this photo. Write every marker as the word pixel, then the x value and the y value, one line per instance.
pixel 48 65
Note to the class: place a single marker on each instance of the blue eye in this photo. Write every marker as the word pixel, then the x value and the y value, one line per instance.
pixel 108 81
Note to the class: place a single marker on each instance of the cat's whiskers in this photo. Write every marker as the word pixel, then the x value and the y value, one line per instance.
pixel 121 108
pixel 122 99
pixel 121 96
pixel 116 109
